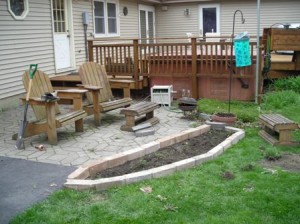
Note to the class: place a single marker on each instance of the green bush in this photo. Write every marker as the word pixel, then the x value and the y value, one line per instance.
pixel 278 100
pixel 292 83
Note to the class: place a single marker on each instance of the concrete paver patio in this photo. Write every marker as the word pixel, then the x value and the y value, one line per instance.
pixel 74 149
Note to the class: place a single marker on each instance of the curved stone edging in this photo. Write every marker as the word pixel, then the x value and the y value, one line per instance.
pixel 77 180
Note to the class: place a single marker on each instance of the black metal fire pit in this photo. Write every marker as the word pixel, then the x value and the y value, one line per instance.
pixel 187 104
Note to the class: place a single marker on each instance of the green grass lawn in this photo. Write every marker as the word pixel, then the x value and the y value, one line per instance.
pixel 197 195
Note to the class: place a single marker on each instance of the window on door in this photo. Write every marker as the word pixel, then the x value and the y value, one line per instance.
pixel 59 16
pixel 105 16
pixel 209 19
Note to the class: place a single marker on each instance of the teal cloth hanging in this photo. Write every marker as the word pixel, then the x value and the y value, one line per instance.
pixel 242 50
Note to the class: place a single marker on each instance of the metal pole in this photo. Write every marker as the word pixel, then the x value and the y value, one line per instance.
pixel 231 53
pixel 257 51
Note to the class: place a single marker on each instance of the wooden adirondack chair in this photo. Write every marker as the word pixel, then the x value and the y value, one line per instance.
pixel 48 114
pixel 100 99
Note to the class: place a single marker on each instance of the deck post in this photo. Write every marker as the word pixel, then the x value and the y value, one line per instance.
pixel 90 49
pixel 136 62
pixel 194 69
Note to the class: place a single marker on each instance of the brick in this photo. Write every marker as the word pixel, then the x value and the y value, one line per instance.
pixel 167 141
pixel 216 151
pixel 163 170
pixel 105 183
pixel 97 167
pixel 151 147
pixel 216 125
pixel 80 173
pixel 80 185
pixel 144 132
pixel 225 144
pixel 138 176
pixel 135 153
pixel 199 130
pixel 117 159
pixel 184 164
pixel 202 158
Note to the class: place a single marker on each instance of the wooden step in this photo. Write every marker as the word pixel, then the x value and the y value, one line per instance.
pixel 269 138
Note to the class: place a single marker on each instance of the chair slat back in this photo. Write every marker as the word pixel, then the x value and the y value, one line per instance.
pixel 92 73
pixel 40 85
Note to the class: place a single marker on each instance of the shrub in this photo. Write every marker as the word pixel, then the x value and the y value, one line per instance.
pixel 272 154
pixel 278 100
pixel 292 83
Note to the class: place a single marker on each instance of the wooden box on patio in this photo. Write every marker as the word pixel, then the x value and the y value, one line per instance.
pixel 277 129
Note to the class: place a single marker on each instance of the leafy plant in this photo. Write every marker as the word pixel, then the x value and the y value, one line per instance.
pixel 292 83
pixel 279 100
pixel 272 154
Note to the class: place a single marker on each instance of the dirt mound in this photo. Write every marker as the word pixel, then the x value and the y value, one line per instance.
pixel 288 161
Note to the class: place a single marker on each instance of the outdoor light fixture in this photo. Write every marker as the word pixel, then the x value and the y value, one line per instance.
pixel 187 12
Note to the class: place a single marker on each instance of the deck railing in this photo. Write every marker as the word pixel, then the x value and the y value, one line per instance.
pixel 169 57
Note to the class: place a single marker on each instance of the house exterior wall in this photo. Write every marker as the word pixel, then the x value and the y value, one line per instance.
pixel 173 23
pixel 23 42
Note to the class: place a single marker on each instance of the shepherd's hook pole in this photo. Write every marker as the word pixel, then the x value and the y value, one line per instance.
pixel 231 52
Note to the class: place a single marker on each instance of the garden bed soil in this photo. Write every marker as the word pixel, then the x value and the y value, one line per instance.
pixel 179 151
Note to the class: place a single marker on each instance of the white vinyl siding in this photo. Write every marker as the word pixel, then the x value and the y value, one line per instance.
pixel 24 42
pixel 173 22
pixel 129 25
pixel 78 8
pixel 272 11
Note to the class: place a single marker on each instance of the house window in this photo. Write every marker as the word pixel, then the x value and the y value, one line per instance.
pixel 106 20
pixel 18 8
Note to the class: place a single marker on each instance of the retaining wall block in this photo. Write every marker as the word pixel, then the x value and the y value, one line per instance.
pixel 97 166
pixel 117 159
pixel 80 185
pixel 135 153
pixel 151 147
pixel 104 183
pixel 163 170
pixel 138 176
pixel 80 173
pixel 202 158
pixel 216 151
pixel 199 130
pixel 185 164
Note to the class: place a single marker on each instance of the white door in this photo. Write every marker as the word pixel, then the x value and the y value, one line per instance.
pixel 209 19
pixel 62 43
pixel 147 23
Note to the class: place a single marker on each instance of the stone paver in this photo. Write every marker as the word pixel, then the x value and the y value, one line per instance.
pixel 75 149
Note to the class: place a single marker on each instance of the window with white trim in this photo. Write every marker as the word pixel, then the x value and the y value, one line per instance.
pixel 106 18
pixel 18 8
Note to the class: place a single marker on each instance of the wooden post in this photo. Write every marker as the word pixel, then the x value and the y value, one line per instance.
pixel 90 49
pixel 136 62
pixel 194 69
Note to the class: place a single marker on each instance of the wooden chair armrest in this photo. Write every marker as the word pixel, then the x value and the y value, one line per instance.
pixel 37 101
pixel 89 87
pixel 72 94
pixel 121 83
pixel 124 84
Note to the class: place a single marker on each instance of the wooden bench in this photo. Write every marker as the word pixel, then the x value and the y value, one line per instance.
pixel 137 113
pixel 277 129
